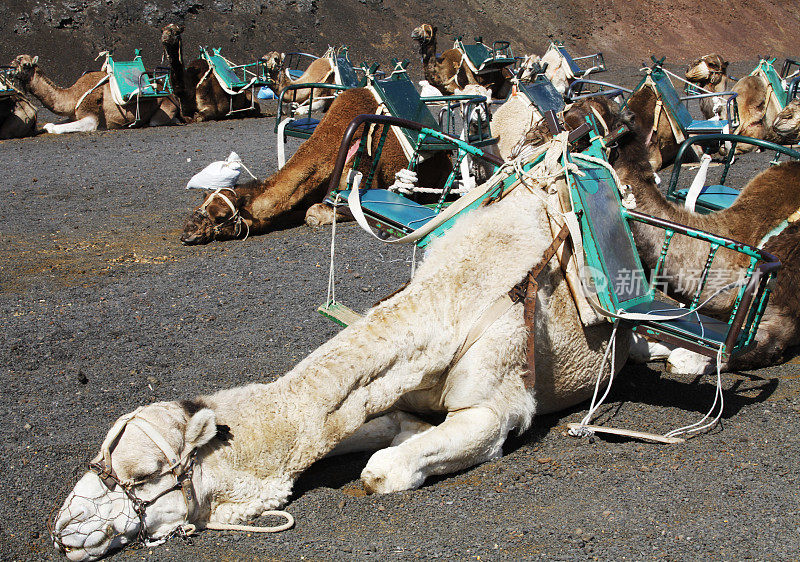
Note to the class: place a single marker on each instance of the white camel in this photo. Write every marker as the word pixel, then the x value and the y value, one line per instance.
pixel 237 452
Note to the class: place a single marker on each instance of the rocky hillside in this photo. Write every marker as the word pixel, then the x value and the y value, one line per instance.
pixel 68 34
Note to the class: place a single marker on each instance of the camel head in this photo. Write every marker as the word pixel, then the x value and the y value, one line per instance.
pixel 424 34
pixel 613 122
pixel 529 67
pixel 24 67
pixel 140 486
pixel 709 69
pixel 218 218
pixel 787 122
pixel 171 35
pixel 273 61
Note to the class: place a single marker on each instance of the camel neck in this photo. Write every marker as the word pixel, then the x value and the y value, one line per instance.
pixel 53 97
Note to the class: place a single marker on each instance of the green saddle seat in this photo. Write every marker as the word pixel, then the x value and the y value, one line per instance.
pixel 711 198
pixel 392 209
pixel 543 95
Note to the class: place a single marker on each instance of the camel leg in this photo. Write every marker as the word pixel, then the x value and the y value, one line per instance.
pixel 644 350
pixel 319 214
pixel 85 125
pixel 380 432
pixel 685 362
pixel 466 438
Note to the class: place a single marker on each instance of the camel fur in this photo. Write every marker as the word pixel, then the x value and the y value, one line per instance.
pixel 199 93
pixel 359 391
pixel 448 72
pixel 97 109
pixel 785 129
pixel 772 196
pixel 17 118
pixel 297 189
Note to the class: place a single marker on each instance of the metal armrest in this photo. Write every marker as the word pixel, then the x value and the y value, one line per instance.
pixel 310 85
pixel 576 88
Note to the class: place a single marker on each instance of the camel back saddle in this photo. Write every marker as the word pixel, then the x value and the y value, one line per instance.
pixel 612 279
pixel 130 81
pixel 707 197
pixel 480 58
pixel 6 88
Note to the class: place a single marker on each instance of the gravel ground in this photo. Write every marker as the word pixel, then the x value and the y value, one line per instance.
pixel 102 310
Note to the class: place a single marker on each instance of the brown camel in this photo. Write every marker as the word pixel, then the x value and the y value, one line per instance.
pixel 448 72
pixel 297 189
pixel 785 129
pixel 771 197
pixel 320 71
pixel 17 117
pixel 88 101
pixel 711 73
pixel 197 89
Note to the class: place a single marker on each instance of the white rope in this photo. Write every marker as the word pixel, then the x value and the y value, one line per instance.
pixel 331 285
pixel 405 181
pixel 611 346
pixel 696 427
pixel 692 84
pixel 253 529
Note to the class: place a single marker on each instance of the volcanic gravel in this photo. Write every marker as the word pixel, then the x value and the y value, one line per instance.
pixel 102 310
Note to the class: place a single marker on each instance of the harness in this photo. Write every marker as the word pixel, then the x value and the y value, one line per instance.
pixel 180 466
pixel 236 218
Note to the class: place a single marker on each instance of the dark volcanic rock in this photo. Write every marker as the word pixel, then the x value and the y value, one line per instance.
pixel 68 34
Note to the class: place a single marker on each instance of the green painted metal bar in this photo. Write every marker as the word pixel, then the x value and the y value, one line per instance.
pixel 704 275
pixel 668 234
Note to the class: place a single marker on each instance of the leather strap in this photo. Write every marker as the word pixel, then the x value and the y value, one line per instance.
pixel 526 291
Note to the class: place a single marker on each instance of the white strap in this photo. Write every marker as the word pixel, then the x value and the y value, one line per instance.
pixel 155 436
pixel 281 148
pixel 698 183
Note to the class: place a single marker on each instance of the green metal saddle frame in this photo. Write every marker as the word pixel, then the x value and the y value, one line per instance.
pixel 6 90
pixel 592 64
pixel 291 121
pixel 620 284
pixel 782 86
pixel 236 79
pixel 717 196
pixel 675 105
pixel 133 81
pixel 392 214
pixel 482 58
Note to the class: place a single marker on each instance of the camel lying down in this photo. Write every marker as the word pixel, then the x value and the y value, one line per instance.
pixel 359 391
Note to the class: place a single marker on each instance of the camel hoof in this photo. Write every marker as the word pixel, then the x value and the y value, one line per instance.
pixel 313 222
pixel 386 473
pixel 644 350
pixel 684 362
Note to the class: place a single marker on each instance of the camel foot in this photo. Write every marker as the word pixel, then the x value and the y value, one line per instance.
pixel 644 350
pixel 684 362
pixel 321 214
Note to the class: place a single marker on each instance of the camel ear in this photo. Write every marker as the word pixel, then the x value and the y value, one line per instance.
pixel 201 428
pixel 35 60
pixel 181 29
pixel 724 66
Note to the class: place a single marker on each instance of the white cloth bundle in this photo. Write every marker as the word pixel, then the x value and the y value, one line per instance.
pixel 218 175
